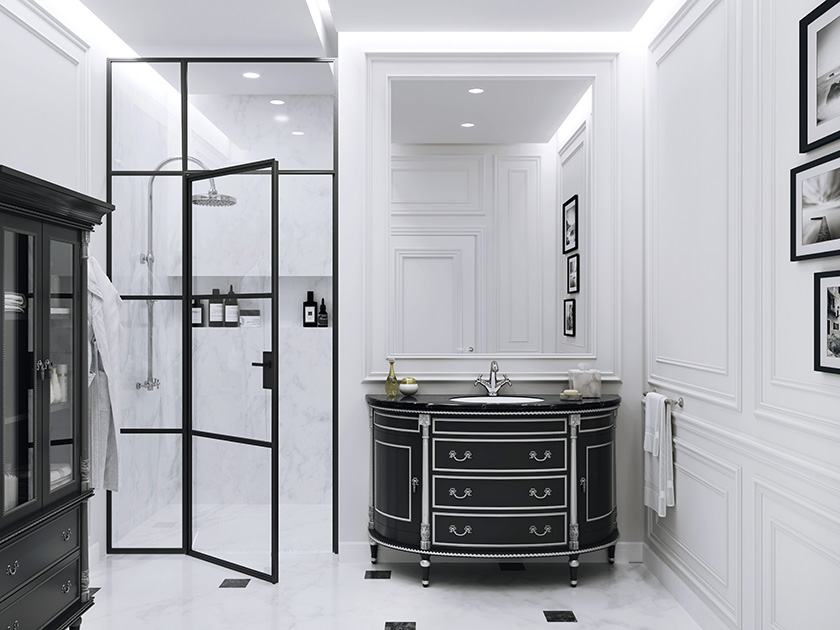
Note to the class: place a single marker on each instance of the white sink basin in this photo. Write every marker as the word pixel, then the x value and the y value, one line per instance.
pixel 497 400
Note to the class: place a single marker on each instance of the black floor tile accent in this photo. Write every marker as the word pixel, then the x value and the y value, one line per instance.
pixel 377 575
pixel 93 590
pixel 231 583
pixel 400 625
pixel 511 566
pixel 559 615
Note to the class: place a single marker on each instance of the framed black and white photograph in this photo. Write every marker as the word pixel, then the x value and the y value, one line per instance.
pixel 572 273
pixel 815 208
pixel 819 76
pixel 569 317
pixel 827 322
pixel 570 227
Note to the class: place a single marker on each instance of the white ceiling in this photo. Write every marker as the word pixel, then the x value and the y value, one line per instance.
pixel 509 111
pixel 422 111
pixel 487 15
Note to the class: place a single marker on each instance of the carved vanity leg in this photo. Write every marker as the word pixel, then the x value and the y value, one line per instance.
pixel 75 625
pixel 573 569
pixel 611 554
pixel 374 553
pixel 425 564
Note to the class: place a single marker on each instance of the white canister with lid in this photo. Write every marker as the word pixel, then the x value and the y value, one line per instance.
pixel 586 381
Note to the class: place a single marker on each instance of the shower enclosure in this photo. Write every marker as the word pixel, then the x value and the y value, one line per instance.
pixel 226 432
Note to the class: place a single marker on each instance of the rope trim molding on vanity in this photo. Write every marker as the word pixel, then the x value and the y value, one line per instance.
pixel 496 412
pixel 455 554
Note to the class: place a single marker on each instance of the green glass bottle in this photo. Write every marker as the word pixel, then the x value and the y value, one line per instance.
pixel 392 386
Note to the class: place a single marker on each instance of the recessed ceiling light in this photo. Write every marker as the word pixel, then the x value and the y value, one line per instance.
pixel 468 124
pixel 281 118
pixel 475 90
pixel 251 75
pixel 277 101
pixel 297 133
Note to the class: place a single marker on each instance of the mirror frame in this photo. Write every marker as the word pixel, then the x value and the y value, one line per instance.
pixel 603 343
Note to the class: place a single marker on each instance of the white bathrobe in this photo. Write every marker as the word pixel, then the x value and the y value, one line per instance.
pixel 659 454
pixel 105 329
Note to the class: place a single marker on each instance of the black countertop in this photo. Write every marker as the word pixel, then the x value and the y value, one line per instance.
pixel 442 402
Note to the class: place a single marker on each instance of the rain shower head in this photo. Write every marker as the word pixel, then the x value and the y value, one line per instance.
pixel 213 198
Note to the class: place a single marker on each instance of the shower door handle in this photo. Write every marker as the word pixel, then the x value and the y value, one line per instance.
pixel 268 370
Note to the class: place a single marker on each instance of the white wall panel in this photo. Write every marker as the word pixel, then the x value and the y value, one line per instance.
pixel 694 238
pixel 517 265
pixel 44 109
pixel 451 185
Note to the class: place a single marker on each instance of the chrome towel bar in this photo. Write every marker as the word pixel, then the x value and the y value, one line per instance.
pixel 678 402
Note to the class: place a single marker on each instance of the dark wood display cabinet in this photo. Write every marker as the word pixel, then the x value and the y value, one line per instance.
pixel 479 480
pixel 45 461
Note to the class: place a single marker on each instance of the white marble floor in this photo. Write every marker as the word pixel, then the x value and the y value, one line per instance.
pixel 317 592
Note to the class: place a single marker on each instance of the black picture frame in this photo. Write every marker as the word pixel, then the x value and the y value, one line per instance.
pixel 573 273
pixel 819 76
pixel 827 322
pixel 569 317
pixel 814 223
pixel 570 223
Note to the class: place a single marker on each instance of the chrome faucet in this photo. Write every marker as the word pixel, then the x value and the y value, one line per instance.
pixel 491 385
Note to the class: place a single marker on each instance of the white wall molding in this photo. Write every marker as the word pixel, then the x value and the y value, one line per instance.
pixel 468 170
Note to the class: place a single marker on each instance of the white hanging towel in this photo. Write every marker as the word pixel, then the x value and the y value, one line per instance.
pixel 659 454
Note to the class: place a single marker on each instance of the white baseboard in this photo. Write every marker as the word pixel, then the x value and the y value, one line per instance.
pixel 625 552
pixel 682 592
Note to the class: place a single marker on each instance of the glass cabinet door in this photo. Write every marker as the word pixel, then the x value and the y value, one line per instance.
pixel 20 384
pixel 60 377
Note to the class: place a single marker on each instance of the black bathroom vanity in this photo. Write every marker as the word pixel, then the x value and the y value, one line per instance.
pixel 493 479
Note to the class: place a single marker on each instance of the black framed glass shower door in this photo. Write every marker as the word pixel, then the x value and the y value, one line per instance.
pixel 231 416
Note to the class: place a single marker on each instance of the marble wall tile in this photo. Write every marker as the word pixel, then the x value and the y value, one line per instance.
pixel 305 225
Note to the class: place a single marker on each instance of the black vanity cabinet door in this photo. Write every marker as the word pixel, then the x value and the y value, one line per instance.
pixel 397 474
pixel 596 480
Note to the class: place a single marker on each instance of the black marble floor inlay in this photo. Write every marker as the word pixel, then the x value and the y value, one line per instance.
pixel 400 625
pixel 377 575
pixel 93 590
pixel 231 583
pixel 511 566
pixel 559 615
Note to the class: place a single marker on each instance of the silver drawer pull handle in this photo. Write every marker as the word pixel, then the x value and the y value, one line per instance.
pixel 414 483
pixel 65 588
pixel 533 455
pixel 454 530
pixel 533 492
pixel 454 493
pixel 454 455
pixel 15 626
pixel 533 530
pixel 65 535
pixel 11 569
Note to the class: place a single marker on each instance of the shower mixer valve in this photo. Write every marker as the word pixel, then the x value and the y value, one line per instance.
pixel 147 258
pixel 149 385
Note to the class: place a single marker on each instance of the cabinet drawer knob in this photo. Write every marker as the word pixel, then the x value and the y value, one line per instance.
pixel 14 626
pixel 454 530
pixel 414 483
pixel 546 493
pixel 11 569
pixel 454 493
pixel 65 535
pixel 533 455
pixel 454 455
pixel 65 588
pixel 533 530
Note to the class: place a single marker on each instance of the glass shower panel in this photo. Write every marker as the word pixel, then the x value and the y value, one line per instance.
pixel 232 503
pixel 286 113
pixel 146 238
pixel 18 349
pixel 62 430
pixel 147 511
pixel 145 115
pixel 160 407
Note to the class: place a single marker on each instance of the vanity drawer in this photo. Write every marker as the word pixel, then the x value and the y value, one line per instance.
pixel 500 531
pixel 31 554
pixel 45 600
pixel 487 455
pixel 490 426
pixel 498 493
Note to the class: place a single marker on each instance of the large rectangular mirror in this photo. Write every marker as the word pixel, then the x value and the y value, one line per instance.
pixel 472 165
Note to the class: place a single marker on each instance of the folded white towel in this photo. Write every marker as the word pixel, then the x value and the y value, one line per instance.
pixel 11 296
pixel 60 471
pixel 659 454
